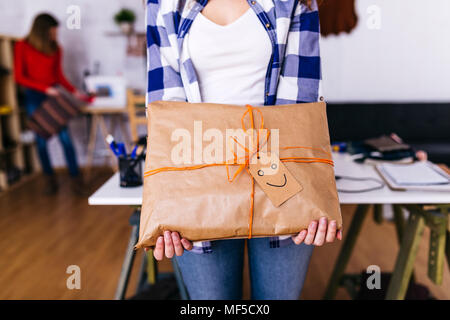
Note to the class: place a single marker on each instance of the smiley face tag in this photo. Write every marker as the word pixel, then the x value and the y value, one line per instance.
pixel 274 178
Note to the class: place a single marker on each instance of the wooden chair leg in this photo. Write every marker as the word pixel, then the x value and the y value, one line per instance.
pixel 406 257
pixel 105 133
pixel 436 255
pixel 346 251
pixel 132 115
pixel 125 133
pixel 152 268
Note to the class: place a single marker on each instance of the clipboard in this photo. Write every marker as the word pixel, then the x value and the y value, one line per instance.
pixel 442 187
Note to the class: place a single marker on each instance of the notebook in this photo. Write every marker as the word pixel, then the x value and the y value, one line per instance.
pixel 420 175
pixel 386 144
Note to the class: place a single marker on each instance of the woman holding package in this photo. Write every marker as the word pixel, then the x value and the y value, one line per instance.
pixel 38 60
pixel 238 52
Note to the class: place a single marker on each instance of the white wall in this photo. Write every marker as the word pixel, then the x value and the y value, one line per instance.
pixel 408 59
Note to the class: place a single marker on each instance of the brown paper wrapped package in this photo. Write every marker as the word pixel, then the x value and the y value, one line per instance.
pixel 202 204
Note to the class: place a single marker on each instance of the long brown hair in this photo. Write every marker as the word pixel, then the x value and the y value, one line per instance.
pixel 39 36
pixel 309 2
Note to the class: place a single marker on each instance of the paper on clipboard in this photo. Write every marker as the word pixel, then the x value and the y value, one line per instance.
pixel 415 176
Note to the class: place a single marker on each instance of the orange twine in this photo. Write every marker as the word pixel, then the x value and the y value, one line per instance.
pixel 247 158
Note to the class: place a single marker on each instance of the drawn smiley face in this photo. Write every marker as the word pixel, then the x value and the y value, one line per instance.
pixel 272 172
pixel 274 178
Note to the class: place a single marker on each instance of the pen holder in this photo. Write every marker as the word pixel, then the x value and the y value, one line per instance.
pixel 130 171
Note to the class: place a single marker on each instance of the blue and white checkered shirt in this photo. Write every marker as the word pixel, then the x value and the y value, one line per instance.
pixel 293 74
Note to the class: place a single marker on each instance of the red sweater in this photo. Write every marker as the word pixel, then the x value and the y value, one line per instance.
pixel 36 70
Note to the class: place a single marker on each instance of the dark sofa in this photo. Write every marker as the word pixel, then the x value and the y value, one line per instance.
pixel 425 126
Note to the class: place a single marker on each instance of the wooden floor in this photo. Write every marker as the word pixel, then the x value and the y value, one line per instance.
pixel 42 235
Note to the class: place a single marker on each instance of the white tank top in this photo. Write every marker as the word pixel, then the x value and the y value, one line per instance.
pixel 230 61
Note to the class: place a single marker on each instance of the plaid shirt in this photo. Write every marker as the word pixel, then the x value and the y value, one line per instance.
pixel 293 74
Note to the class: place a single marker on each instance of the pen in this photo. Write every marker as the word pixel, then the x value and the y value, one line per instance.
pixel 122 150
pixel 118 148
pixel 112 144
pixel 133 153
pixel 139 151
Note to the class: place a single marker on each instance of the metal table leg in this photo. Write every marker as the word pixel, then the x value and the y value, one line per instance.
pixel 142 275
pixel 148 272
pixel 378 213
pixel 183 291
pixel 127 265
pixel 399 219
pixel 346 251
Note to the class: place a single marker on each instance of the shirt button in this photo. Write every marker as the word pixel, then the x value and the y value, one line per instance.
pixel 267 94
pixel 253 2
pixel 321 98
pixel 268 25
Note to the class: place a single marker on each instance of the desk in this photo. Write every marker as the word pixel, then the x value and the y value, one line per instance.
pixel 409 232
pixel 111 194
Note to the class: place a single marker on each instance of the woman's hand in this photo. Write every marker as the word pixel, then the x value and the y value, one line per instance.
pixel 422 155
pixel 169 244
pixel 81 96
pixel 52 92
pixel 318 233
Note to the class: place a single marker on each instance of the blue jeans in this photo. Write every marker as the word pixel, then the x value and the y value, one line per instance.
pixel 275 273
pixel 33 100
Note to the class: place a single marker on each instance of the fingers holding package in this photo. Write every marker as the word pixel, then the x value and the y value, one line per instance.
pixel 170 244
pixel 319 233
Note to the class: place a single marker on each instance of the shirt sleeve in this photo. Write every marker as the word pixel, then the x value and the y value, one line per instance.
pixel 300 75
pixel 19 69
pixel 60 74
pixel 164 79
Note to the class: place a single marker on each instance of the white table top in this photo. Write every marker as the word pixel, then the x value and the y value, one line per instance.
pixel 111 193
